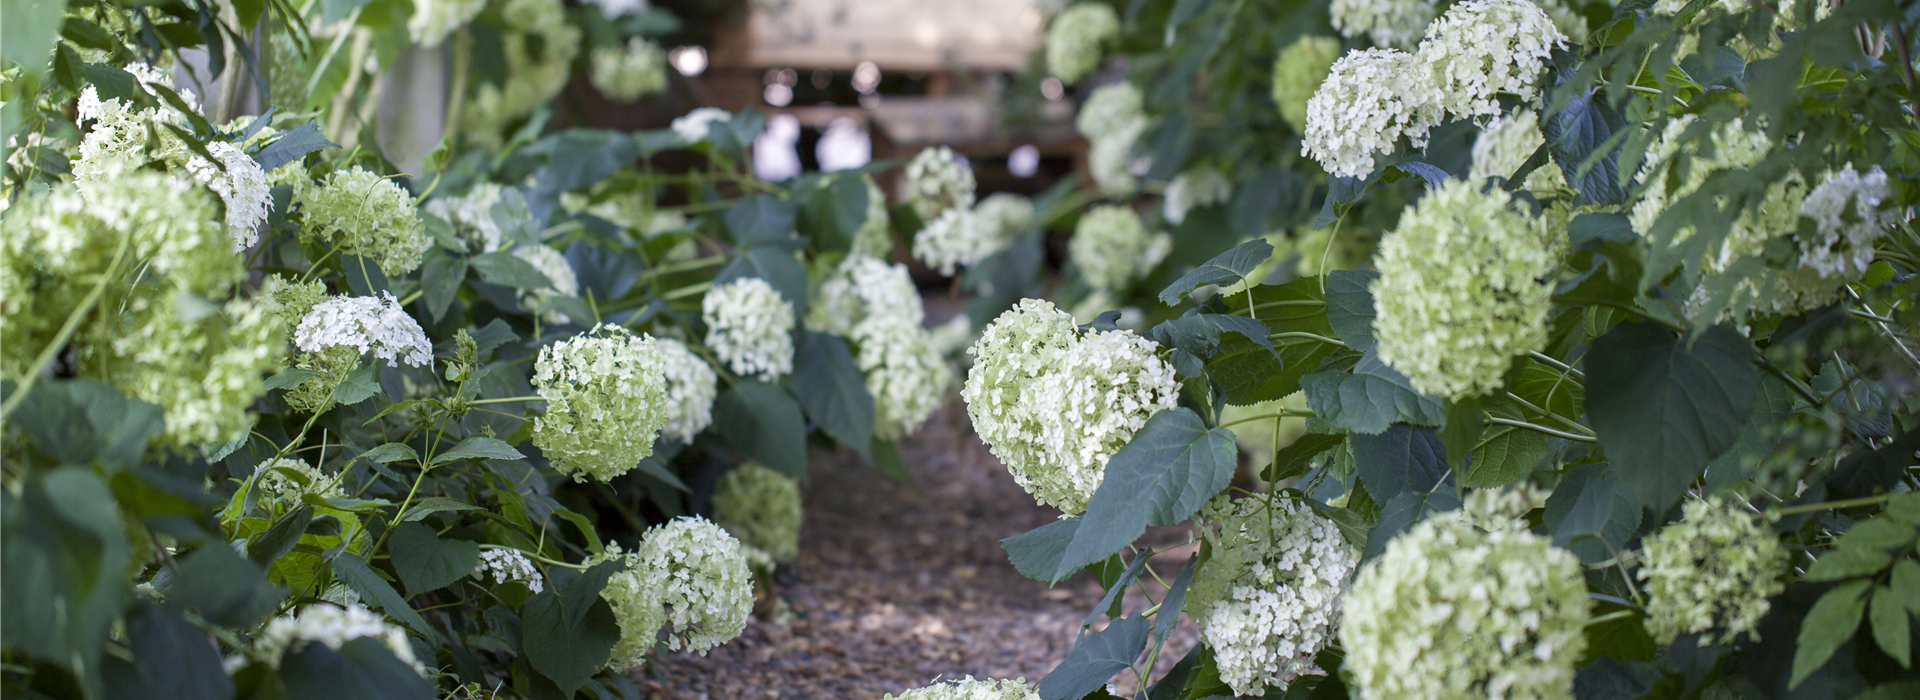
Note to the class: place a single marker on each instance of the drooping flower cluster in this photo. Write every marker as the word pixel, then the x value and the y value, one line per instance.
pixel 750 327
pixel 506 565
pixel 688 577
pixel 1506 143
pixel 276 482
pixel 1195 188
pixel 1297 74
pixel 1849 209
pixel 366 324
pixel 363 214
pixel 938 180
pixel 877 307
pixel 332 625
pixel 1484 48
pixel 691 389
pixel 969 689
pixel 1269 598
pixel 433 20
pixel 1112 248
pixel 696 126
pixel 1075 37
pixel 1055 404
pixel 1113 119
pixel 1464 287
pixel 760 507
pixel 1370 99
pixel 606 400
pixel 559 273
pixel 1387 23
pixel 626 73
pixel 1450 612
pixel 242 186
pixel 538 45
pixel 1712 571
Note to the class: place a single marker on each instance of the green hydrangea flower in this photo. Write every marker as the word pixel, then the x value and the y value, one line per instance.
pixel 1297 74
pixel 1074 39
pixel 761 507
pixel 606 395
pixel 626 73
pixel 1112 248
pixel 362 214
pixel 687 577
pixel 1712 570
pixel 969 689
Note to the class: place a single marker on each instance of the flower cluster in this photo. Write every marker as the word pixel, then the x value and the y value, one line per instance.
pixel 1112 248
pixel 1387 23
pixel 687 576
pixel 276 482
pixel 471 215
pixel 1712 570
pixel 1848 208
pixel 938 180
pixel 1075 37
pixel 696 126
pixel 606 400
pixel 1370 99
pixel 559 273
pixel 535 71
pixel 875 237
pixel 1505 144
pixel 506 565
pixel 1269 598
pixel 1000 217
pixel 750 327
pixel 1297 74
pixel 876 306
pixel 1483 48
pixel 950 240
pixel 691 389
pixel 1503 508
pixel 334 626
pixel 1055 404
pixel 363 214
pixel 434 20
pixel 1464 287
pixel 624 74
pixel 1450 612
pixel 241 184
pixel 1113 119
pixel 1195 188
pixel 969 689
pixel 760 507
pixel 1730 147
pixel 367 324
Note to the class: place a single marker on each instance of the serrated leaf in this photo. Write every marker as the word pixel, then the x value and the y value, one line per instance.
pixel 1400 459
pixel 1403 512
pixel 392 452
pixel 359 385
pixel 1036 553
pixel 1293 460
pixel 775 265
pixel 569 633
pixel 1350 307
pixel 362 668
pixel 1890 625
pixel 1231 266
pixel 1828 625
pixel 440 278
pixel 292 146
pixel 508 270
pixel 434 504
pixel 426 562
pixel 831 389
pixel 1591 515
pixel 478 447
pixel 1664 406
pixel 1583 132
pixel 1848 562
pixel 1169 469
pixel 378 594
pixel 762 218
pixel 171 658
pixel 761 422
pixel 1610 679
pixel 1370 398
pixel 1096 659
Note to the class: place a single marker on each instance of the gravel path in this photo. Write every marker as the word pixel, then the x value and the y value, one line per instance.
pixel 896 586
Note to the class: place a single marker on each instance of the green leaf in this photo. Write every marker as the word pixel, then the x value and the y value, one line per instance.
pixel 1610 679
pixel 608 274
pixel 353 571
pixel 83 422
pixel 391 452
pixel 1350 307
pixel 886 458
pixel 1404 511
pixel 1906 580
pixel 478 447
pixel 1505 454
pixel 1897 690
pixel 1466 422
pixel 831 389
pixel 847 197
pixel 359 385
pixel 775 265
pixel 269 546
pixel 1848 562
pixel 28 34
pixel 569 633
pixel 1294 459
pixel 1401 459
pixel 508 270
pixel 363 668
pixel 1036 553
pixel 760 421
pixel 434 504
pixel 1585 125
pixel 171 658
pixel 1828 625
pixel 1866 473
pixel 1096 659
pixel 289 378
pixel 1591 515
pixel 1169 469
pixel 426 562
pixel 224 588
pixel 1231 266
pixel 1664 406
pixel 764 218
pixel 1890 625
pixel 63 563
pixel 1369 399
pixel 440 278
pixel 293 146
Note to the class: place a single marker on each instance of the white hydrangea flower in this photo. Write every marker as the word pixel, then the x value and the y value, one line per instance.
pixel 951 337
pixel 376 324
pixel 363 214
pixel 538 45
pixel 506 565
pixel 243 186
pixel 969 689
pixel 1450 612
pixel 471 215
pixel 1195 188
pixel 1112 248
pixel 606 400
pixel 695 126
pixel 1269 598
pixel 1113 119
pixel 1464 287
pixel 1481 49
pixel 1000 217
pixel 1055 404
pixel 1503 508
pixel 1369 100
pixel 1074 39
pixel 750 328
pixel 1569 21
pixel 876 305
pixel 334 626
pixel 434 20
pixel 951 240
pixel 875 237
pixel 1850 209
pixel 688 577
pixel 1506 143
pixel 275 483
pixel 1387 23
pixel 762 508
pixel 1733 147
pixel 624 74
pixel 937 179
pixel 553 264
pixel 620 8
pixel 1297 74
pixel 1712 570
pixel 691 389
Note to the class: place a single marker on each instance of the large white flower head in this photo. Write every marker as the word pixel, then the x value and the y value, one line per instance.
pixel 1851 211
pixel 1112 248
pixel 242 185
pixel 1298 72
pixel 876 305
pixel 1269 598
pixel 875 237
pixel 688 577
pixel 691 389
pixel 1055 404
pixel 1464 287
pixel 1369 100
pixel 761 507
pixel 1484 48
pixel 1387 23
pixel 276 483
pixel 1450 612
pixel 1075 39
pixel 1506 143
pixel 553 264
pixel 951 240
pixel 969 689
pixel 750 327
pixel 937 179
pixel 1000 217
pixel 1113 119
pixel 508 565
pixel 696 126
pixel 367 324
pixel 334 626
pixel 626 73
pixel 1731 147
pixel 471 215
pixel 1712 571
pixel 606 400
pixel 363 214
pixel 434 20
pixel 1195 188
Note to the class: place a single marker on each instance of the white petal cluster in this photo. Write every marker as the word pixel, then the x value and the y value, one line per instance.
pixel 1000 217
pixel 1269 598
pixel 1732 147
pixel 951 240
pixel 538 44
pixel 1113 119
pixel 1712 571
pixel 691 389
pixel 1055 404
pixel 434 20
pixel 875 237
pixel 606 400
pixel 969 689
pixel 750 327
pixel 506 565
pixel 1387 23
pixel 1112 248
pixel 1464 287
pixel 375 324
pixel 696 126
pixel 553 264
pixel 1481 49
pixel 243 186
pixel 276 484
pixel 624 74
pixel 1369 100
pixel 1075 37
pixel 876 305
pixel 1503 508
pixel 938 180
pixel 1195 188
pixel 1450 612
pixel 1850 209
pixel 1297 74
pixel 471 215
pixel 1506 143
pixel 334 626
pixel 687 577
pixel 761 507
pixel 363 214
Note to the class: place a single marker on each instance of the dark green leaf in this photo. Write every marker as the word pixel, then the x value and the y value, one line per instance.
pixel 224 588
pixel 775 265
pixel 1610 679
pixel 426 562
pixel 440 278
pixel 293 146
pixel 1176 598
pixel 1665 406
pixel 1466 423
pixel 269 546
pixel 363 668
pixel 112 83
pixel 759 420
pixel 763 218
pixel 172 658
pixel 478 448
pixel 1588 229
pixel 508 270
pixel 392 452
pixel 1294 459
pixel 569 633
pixel 1169 469
pixel 1869 473
pixel 1404 511
pixel 1401 459
pixel 289 378
pixel 1828 625
pixel 353 571
pixel 1848 562
pixel 82 421
pixel 887 459
pixel 1231 266
pixel 63 563
pixel 1890 625
pixel 28 34
pixel 359 385
pixel 831 389
pixel 434 504
pixel 1583 132
pixel 1369 399
pixel 1591 515
pixel 848 202
pixel 608 274
pixel 1350 307
pixel 1096 659
pixel 1036 554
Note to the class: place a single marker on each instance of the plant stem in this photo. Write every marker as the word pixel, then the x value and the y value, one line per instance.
pixel 1546 359
pixel 536 557
pixel 66 333
pixel 1550 414
pixel 483 402
pixel 684 266
pixel 1609 617
pixel 1803 390
pixel 1306 335
pixel 1830 505
pixel 687 291
pixel 457 95
pixel 1282 413
pixel 1496 420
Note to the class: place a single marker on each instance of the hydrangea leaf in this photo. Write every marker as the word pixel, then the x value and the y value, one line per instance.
pixel 762 422
pixel 440 277
pixel 478 447
pixel 171 658
pixel 1036 553
pixel 378 594
pixel 831 389
pixel 608 274
pixel 508 270
pixel 1369 399
pixel 1093 661
pixel 1400 459
pixel 362 668
pixel 775 265
pixel 1664 406
pixel 1350 307
pixel 1231 266
pixel 1861 474
pixel 1583 137
pixel 427 562
pixel 1591 514
pixel 764 218
pixel 1830 623
pixel 1610 679
pixel 1504 454
pixel 83 421
pixel 1169 469
pixel 30 32
pixel 65 553
pixel 292 146
pixel 569 633
pixel 1294 459
pixel 1404 511
pixel 1891 625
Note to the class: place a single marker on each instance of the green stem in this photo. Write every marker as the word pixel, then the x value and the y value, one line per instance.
pixel 1803 390
pixel 536 557
pixel 483 402
pixel 1563 419
pixel 66 333
pixel 1304 303
pixel 1609 617
pixel 1496 420
pixel 1546 359
pixel 1282 413
pixel 687 291
pixel 684 266
pixel 1830 505
pixel 1305 335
